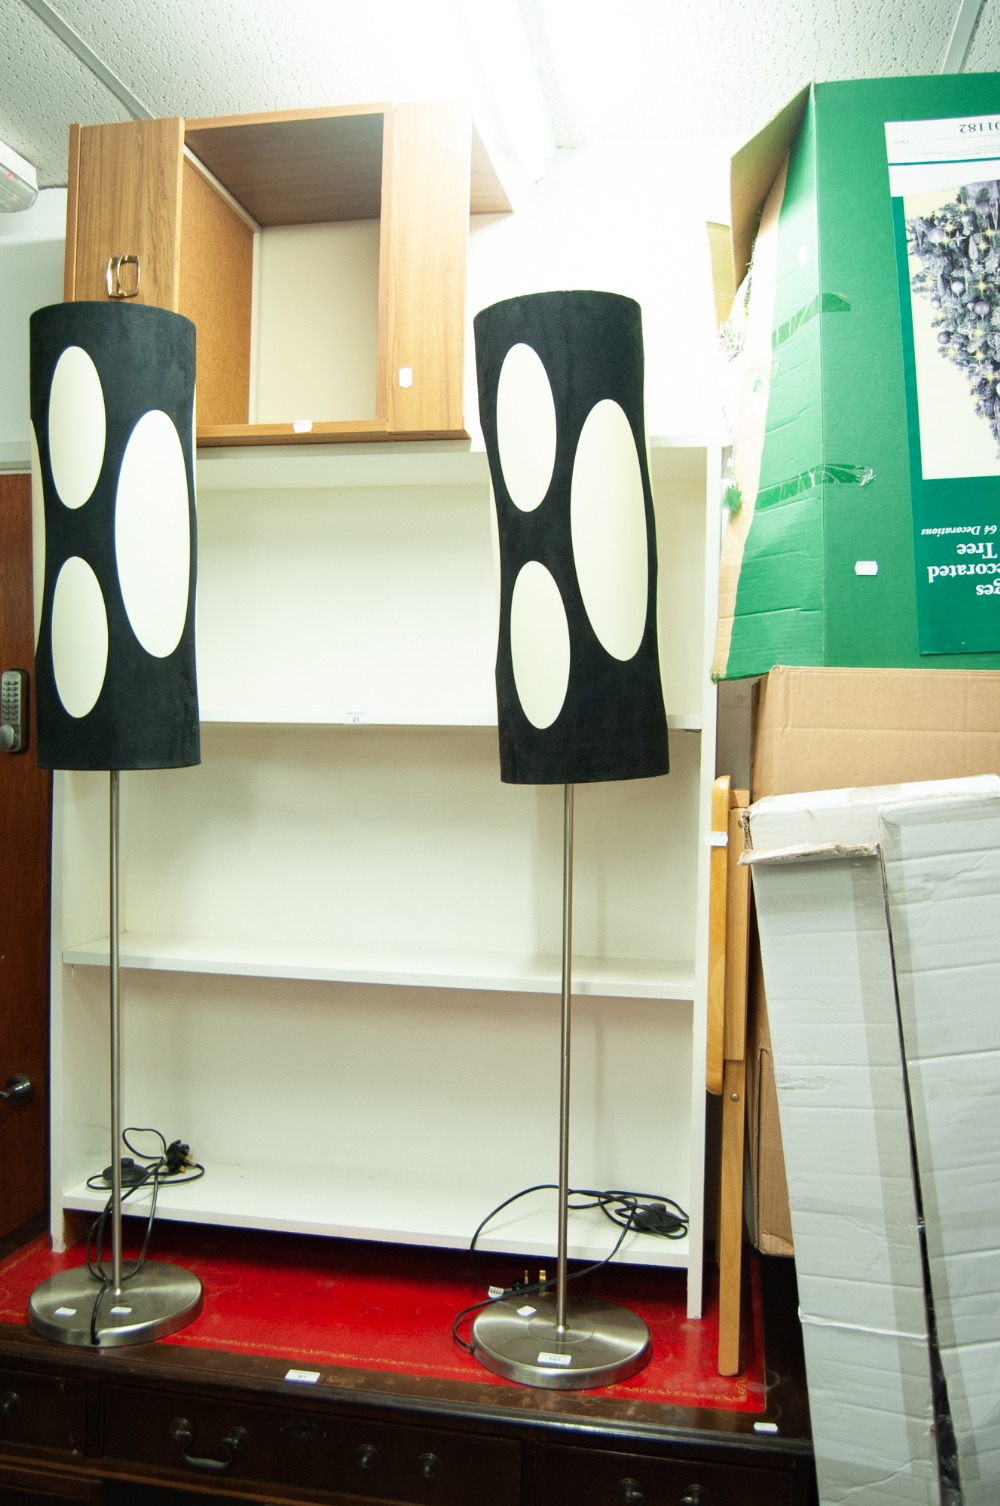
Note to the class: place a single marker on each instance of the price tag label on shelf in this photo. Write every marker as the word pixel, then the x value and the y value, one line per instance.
pixel 355 718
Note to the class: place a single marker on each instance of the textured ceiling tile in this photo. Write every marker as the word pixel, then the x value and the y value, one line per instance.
pixel 984 50
pixel 186 57
pixel 670 70
pixel 183 57
pixel 43 89
pixel 666 70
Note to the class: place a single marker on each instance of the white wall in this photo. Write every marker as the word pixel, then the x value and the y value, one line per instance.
pixel 31 276
pixel 629 220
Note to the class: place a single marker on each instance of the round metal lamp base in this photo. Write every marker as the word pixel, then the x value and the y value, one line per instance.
pixel 601 1342
pixel 158 1301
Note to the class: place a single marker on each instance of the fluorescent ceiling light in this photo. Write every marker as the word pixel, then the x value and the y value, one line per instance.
pixel 18 181
pixel 507 64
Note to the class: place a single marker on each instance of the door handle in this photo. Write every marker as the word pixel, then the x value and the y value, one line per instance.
pixel 18 1090
pixel 182 1433
pixel 120 286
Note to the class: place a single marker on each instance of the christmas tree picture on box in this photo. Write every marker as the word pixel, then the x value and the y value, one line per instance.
pixel 953 245
pixel 944 188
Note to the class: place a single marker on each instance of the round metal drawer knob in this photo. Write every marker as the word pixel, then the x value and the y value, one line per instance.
pixel 695 1495
pixel 631 1492
pixel 429 1465
pixel 9 1403
pixel 367 1456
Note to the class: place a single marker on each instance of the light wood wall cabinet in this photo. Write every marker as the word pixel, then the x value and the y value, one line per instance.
pixel 320 253
pixel 341 932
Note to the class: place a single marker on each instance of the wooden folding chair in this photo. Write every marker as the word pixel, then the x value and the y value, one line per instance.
pixel 729 925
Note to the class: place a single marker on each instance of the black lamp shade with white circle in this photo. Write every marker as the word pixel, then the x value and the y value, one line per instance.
pixel 115 551
pixel 579 694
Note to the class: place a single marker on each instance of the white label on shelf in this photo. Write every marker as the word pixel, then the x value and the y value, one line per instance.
pixel 765 1427
pixel 355 718
pixel 554 1359
pixel 302 426
pixel 717 838
pixel 866 567
pixel 302 1377
pixel 406 376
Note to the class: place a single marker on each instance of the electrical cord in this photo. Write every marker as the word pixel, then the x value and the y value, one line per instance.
pixel 652 1213
pixel 625 1209
pixel 168 1163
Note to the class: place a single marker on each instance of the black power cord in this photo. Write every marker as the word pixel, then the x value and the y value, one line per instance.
pixel 647 1213
pixel 167 1164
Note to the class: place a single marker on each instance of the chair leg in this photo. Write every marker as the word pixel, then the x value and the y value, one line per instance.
pixel 730 1246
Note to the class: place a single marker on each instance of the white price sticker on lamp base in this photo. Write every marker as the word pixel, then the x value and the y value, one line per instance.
pixel 554 1359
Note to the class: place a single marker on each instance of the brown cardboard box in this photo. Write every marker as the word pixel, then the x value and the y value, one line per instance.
pixel 827 728
pixel 772 1220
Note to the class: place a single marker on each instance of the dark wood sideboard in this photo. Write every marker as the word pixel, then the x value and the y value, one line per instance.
pixel 161 1425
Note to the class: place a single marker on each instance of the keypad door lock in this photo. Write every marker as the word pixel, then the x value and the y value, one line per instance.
pixel 14 711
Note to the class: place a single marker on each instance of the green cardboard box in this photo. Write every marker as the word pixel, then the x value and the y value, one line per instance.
pixel 865 528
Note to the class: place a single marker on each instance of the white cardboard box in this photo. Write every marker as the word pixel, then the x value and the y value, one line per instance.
pixel 942 870
pixel 828 957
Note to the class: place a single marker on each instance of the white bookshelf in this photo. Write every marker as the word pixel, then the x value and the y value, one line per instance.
pixel 345 1202
pixel 341 932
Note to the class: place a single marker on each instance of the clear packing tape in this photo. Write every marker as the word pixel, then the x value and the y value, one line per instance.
pixel 817 475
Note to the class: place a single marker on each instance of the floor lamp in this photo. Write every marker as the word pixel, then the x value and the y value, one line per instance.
pixel 579 696
pixel 112 415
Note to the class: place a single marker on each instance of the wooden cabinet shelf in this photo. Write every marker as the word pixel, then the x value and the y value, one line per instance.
pixel 320 254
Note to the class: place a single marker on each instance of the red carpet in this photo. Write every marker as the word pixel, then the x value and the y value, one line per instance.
pixel 326 1302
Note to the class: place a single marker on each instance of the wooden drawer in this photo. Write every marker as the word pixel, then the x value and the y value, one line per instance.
pixel 40 1411
pixel 28 1487
pixel 568 1476
pixel 217 1441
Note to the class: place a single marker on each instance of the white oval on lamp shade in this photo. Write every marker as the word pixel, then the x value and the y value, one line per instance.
pixel 37 533
pixel 526 427
pixel 153 533
pixel 608 529
pixel 79 637
pixel 539 644
pixel 77 426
